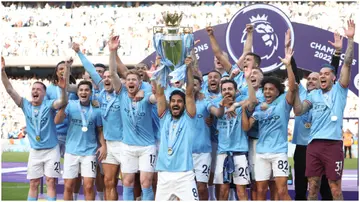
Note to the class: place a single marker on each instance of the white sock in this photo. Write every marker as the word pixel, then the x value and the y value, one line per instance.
pixel 75 195
pixel 100 195
pixel 212 196
pixel 232 196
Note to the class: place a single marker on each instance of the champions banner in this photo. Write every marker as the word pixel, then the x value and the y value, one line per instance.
pixel 270 24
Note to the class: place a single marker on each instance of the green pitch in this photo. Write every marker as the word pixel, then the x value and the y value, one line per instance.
pixel 12 191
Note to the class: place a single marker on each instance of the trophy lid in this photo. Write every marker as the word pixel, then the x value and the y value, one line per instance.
pixel 172 19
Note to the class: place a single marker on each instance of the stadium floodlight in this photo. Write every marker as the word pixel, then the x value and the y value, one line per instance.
pixel 27 68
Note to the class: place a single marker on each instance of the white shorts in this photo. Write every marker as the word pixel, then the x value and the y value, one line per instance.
pixel 202 163
pixel 179 184
pixel 44 162
pixel 252 157
pixel 73 163
pixel 214 147
pixel 135 158
pixel 268 164
pixel 241 174
pixel 113 152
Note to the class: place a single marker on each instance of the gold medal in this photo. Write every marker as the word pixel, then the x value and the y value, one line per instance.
pixel 170 151
pixel 307 125
pixel 38 138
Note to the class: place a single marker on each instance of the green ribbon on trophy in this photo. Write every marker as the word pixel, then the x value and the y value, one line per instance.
pixel 173 44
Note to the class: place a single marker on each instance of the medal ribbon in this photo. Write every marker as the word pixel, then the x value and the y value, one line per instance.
pixel 173 132
pixel 110 103
pixel 37 121
pixel 85 122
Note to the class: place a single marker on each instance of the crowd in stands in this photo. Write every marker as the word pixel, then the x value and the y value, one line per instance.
pixel 45 29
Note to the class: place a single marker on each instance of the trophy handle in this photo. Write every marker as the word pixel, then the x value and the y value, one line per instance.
pixel 158 29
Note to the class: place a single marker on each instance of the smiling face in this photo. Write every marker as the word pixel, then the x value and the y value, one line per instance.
pixel 214 82
pixel 107 81
pixel 84 93
pixel 327 78
pixel 177 106
pixel 313 81
pixel 38 93
pixel 256 78
pixel 60 71
pixel 132 83
pixel 270 92
pixel 197 86
pixel 100 71
pixel 228 89
pixel 142 68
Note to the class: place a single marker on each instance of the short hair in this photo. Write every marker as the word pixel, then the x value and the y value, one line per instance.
pixel 215 72
pixel 275 81
pixel 256 58
pixel 55 79
pixel 133 71
pixel 260 70
pixel 177 92
pixel 140 65
pixel 228 81
pixel 41 83
pixel 84 82
pixel 198 78
pixel 328 66
pixel 100 65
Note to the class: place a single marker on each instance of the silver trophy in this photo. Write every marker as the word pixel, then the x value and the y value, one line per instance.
pixel 172 42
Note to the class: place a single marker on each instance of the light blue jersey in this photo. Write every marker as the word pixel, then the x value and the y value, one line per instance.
pixel 137 122
pixel 202 140
pixel 182 131
pixel 156 123
pixel 232 138
pixel 89 67
pixel 254 131
pixel 273 126
pixel 302 123
pixel 110 113
pixel 327 111
pixel 53 92
pixel 241 83
pixel 78 142
pixel 42 126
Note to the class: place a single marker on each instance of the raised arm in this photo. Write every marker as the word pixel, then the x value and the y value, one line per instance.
pixel 121 67
pixel 196 69
pixel 60 102
pixel 161 100
pixel 349 55
pixel 246 122
pixel 292 62
pixel 247 46
pixel 113 46
pixel 60 115
pixel 89 67
pixel 189 93
pixel 337 44
pixel 290 94
pixel 252 96
pixel 224 61
pixel 9 88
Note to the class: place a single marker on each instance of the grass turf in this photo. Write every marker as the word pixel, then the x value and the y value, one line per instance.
pixel 15 191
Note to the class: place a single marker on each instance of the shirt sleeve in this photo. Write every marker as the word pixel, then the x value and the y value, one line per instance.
pixel 89 67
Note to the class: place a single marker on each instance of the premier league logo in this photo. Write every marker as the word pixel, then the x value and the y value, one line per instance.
pixel 270 25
